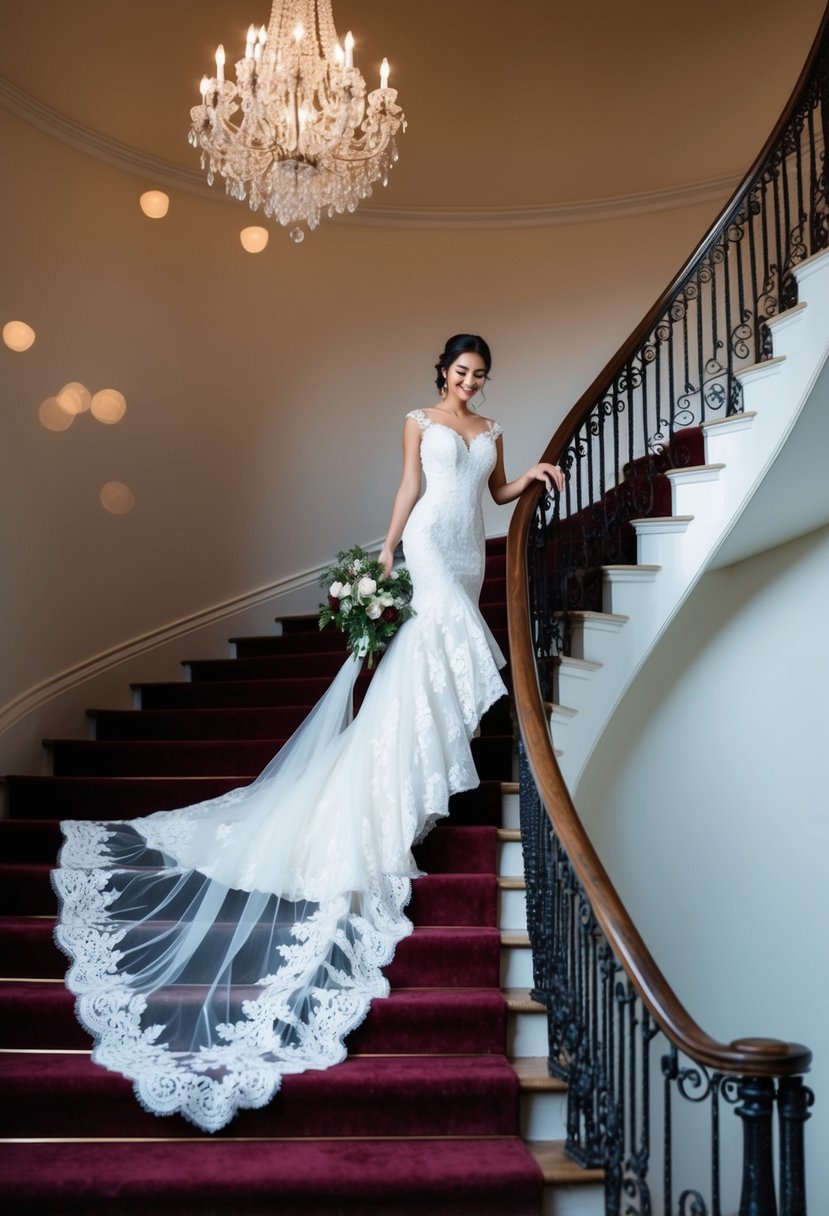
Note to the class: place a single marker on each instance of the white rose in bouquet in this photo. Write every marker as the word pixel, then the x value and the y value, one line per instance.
pixel 364 603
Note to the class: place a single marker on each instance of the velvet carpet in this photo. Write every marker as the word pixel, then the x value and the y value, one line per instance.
pixel 422 1116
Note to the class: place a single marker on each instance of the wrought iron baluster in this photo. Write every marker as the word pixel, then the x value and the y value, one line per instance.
pixel 813 183
pixel 752 209
pixel 778 234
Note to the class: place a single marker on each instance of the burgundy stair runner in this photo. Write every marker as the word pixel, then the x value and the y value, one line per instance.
pixel 422 1117
pixel 603 532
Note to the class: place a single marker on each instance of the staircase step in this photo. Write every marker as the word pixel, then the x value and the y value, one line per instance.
pixel 543 1103
pixel 42 798
pixel 452 957
pixel 620 583
pixel 215 758
pixel 457 848
pixel 733 422
pixel 429 1020
pixel 593 634
pixel 267 667
pixel 238 723
pixel 494 612
pixel 465 1177
pixel 437 899
pixel 242 694
pixel 695 474
pixel 559 1170
pixel 760 371
pixel 54 1095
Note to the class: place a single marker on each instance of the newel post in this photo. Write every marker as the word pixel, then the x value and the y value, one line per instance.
pixel 757 1194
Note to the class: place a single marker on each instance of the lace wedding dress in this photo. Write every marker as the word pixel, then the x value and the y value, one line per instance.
pixel 219 947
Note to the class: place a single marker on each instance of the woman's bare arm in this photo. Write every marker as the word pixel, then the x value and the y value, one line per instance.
pixel 504 491
pixel 407 494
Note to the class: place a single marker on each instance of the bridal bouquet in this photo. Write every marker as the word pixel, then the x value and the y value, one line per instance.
pixel 365 605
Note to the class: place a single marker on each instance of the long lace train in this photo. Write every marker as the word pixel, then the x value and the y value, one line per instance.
pixel 219 947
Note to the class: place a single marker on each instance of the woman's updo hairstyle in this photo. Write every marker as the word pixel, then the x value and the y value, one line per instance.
pixel 461 344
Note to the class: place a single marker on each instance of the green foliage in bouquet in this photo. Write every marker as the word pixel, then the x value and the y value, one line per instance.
pixel 367 607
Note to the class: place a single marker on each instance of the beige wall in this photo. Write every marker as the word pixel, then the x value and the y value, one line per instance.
pixel 265 394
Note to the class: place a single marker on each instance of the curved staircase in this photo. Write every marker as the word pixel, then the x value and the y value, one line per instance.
pixel 663 454
pixel 726 459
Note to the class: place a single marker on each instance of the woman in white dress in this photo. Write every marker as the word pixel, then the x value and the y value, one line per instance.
pixel 218 947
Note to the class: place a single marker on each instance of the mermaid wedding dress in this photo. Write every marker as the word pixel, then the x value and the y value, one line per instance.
pixel 219 947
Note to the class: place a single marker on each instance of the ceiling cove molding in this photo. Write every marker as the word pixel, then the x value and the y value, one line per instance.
pixel 158 172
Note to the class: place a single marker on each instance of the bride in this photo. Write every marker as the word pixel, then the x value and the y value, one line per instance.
pixel 218 947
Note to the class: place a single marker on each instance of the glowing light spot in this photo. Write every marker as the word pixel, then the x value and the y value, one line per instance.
pixel 117 498
pixel 154 203
pixel 18 335
pixel 254 239
pixel 74 398
pixel 108 405
pixel 53 417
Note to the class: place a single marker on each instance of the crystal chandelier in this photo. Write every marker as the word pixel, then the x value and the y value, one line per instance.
pixel 296 134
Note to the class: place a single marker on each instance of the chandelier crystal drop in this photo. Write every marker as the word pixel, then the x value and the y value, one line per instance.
pixel 296 134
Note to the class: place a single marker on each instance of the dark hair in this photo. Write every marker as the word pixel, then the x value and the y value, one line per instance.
pixel 457 345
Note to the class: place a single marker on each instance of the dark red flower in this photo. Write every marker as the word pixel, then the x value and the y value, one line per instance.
pixel 390 614
pixel 333 603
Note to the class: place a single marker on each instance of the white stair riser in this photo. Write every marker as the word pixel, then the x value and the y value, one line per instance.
pixel 594 640
pixel 510 815
pixel 626 596
pixel 526 1035
pixel 516 967
pixel 689 497
pixel 657 548
pixel 584 1200
pixel 543 1116
pixel 510 859
pixel 512 911
pixel 569 683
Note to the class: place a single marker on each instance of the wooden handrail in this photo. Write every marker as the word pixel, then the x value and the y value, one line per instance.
pixel 746 1057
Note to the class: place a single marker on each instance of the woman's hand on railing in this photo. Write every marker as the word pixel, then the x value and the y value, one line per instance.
pixel 550 474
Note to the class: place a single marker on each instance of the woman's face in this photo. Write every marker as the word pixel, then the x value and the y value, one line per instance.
pixel 466 376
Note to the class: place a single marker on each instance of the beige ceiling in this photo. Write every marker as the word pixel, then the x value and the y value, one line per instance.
pixel 517 104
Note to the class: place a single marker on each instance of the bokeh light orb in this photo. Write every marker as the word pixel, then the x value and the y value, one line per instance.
pixel 254 239
pixel 74 398
pixel 53 416
pixel 109 406
pixel 117 498
pixel 18 335
pixel 154 203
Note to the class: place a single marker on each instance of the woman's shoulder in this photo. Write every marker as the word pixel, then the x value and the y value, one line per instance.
pixel 421 417
pixel 492 425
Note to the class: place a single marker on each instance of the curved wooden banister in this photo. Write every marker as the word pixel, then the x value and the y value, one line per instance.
pixel 744 1057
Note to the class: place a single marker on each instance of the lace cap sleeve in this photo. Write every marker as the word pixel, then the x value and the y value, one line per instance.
pixel 496 429
pixel 420 418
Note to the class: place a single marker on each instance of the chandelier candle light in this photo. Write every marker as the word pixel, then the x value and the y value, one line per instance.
pixel 296 133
